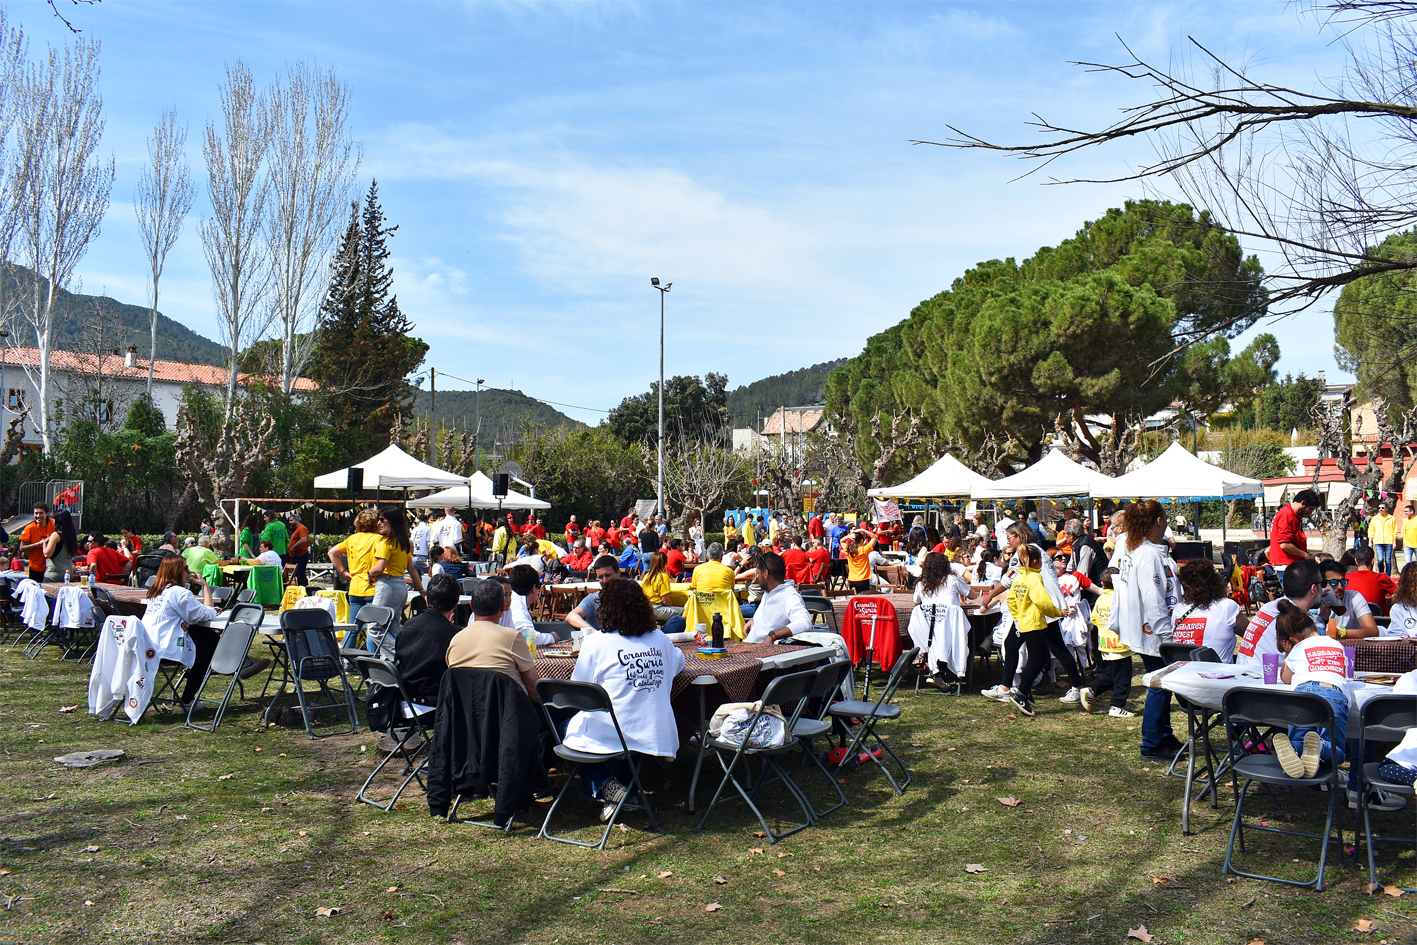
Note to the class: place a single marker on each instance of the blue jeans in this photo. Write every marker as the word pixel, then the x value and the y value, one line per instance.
pixel 357 602
pixel 1339 700
pixel 674 625
pixel 1156 731
pixel 1384 558
pixel 748 609
pixel 1411 554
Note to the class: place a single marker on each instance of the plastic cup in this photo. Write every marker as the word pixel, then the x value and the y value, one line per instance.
pixel 1352 653
pixel 1271 668
pixel 576 640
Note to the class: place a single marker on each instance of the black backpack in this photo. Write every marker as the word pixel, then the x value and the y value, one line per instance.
pixel 381 704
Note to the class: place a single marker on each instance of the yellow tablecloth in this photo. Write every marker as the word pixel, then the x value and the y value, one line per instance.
pixel 679 593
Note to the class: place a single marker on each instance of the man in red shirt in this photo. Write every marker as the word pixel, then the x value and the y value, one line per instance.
pixel 108 564
pixel 676 556
pixel 628 520
pixel 538 527
pixel 799 566
pixel 1375 586
pixel 814 527
pixel 578 562
pixel 573 531
pixel 821 560
pixel 1287 541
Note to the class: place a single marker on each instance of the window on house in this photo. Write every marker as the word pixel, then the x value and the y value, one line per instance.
pixel 15 398
pixel 99 411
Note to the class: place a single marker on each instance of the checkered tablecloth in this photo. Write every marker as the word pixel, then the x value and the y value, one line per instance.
pixel 737 672
pixel 1376 655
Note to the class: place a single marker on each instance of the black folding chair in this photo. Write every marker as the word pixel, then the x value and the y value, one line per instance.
pixel 1248 710
pixel 791 692
pixel 371 626
pixel 222 597
pixel 819 605
pixel 228 660
pixel 870 715
pixel 246 595
pixel 558 627
pixel 418 734
pixel 313 655
pixel 587 697
pixel 1385 718
pixel 825 689
pixel 46 635
pixel 1199 723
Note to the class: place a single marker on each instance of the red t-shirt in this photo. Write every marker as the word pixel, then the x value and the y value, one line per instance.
pixel 799 566
pixel 1375 587
pixel 821 562
pixel 612 537
pixel 581 562
pixel 596 536
pixel 1286 528
pixel 675 567
pixel 107 564
pixel 539 531
pixel 814 527
pixel 627 521
pixel 572 531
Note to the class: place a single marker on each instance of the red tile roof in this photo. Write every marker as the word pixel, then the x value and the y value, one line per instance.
pixel 176 372
pixel 798 420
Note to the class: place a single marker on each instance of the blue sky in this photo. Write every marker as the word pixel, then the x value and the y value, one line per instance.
pixel 543 161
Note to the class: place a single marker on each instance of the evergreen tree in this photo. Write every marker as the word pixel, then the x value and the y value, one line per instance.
pixel 364 354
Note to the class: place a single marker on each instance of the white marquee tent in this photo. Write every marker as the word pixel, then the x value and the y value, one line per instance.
pixel 1178 474
pixel 476 492
pixel 947 477
pixel 393 469
pixel 1054 475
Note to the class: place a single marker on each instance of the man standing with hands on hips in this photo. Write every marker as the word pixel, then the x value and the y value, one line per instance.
pixel 1287 541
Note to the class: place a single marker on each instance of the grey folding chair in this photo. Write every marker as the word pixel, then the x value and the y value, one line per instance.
pixel 871 714
pixel 587 697
pixel 246 595
pixel 313 655
pixel 1200 721
pixel 819 605
pixel 371 631
pixel 1248 710
pixel 1385 718
pixel 228 659
pixel 790 692
pixel 417 737
pixel 222 597
pixel 824 690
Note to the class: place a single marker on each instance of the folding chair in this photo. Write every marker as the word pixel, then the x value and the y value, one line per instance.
pixel 370 633
pixel 246 595
pixel 228 660
pixel 1385 718
pixel 419 732
pixel 587 697
pixel 46 635
pixel 558 627
pixel 265 580
pixel 145 567
pixel 789 691
pixel 824 688
pixel 818 605
pixel 1199 723
pixel 870 715
pixel 1247 709
pixel 312 655
pixel 222 597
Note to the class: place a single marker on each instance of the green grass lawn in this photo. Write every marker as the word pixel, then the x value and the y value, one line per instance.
pixel 243 835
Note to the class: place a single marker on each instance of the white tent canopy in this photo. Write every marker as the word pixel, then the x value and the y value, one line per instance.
pixel 476 492
pixel 1177 474
pixel 393 469
pixel 1053 475
pixel 947 477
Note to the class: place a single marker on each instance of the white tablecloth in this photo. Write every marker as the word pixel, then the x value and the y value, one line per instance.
pixel 1206 684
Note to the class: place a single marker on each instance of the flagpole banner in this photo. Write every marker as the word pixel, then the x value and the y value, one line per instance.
pixel 886 511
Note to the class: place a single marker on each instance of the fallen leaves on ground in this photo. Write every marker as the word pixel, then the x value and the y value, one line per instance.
pixel 1009 801
pixel 392 889
pixel 665 875
pixel 327 911
pixel 719 880
pixel 1158 880
pixel 1257 941
pixel 224 777
pixel 759 834
pixel 389 913
pixel 755 849
pixel 712 907
pixel 1139 932
pixel 181 817
pixel 4 871
pixel 304 833
pixel 1363 925
pixel 67 709
pixel 1394 891
pixel 90 849
pixel 778 872
pixel 1011 716
pixel 974 868
pixel 1369 889
pixel 781 855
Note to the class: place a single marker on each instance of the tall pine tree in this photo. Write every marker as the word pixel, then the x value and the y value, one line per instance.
pixel 364 353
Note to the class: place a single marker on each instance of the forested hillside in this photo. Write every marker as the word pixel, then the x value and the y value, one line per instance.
pixel 793 389
pixel 502 410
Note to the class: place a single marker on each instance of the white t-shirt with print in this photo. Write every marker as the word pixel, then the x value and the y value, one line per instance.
pixel 269 558
pixel 1212 626
pixel 1403 622
pixel 1317 659
pixel 638 673
pixel 1259 637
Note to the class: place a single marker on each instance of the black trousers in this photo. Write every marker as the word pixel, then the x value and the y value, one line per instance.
pixel 204 639
pixel 1115 675
pixel 1052 637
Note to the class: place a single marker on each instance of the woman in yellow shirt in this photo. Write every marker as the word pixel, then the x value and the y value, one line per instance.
pixel 392 555
pixel 857 551
pixel 354 556
pixel 656 588
pixel 1033 609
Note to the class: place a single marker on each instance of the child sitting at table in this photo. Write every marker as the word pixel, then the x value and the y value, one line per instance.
pixel 1400 765
pixel 1313 663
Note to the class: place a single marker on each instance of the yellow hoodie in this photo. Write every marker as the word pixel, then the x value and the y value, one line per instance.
pixel 1029 601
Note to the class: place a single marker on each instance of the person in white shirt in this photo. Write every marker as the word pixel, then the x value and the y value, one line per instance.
pixel 526 594
pixel 1319 665
pixel 421 538
pixel 1001 530
pixel 1205 615
pixel 171 617
pixel 781 613
pixel 938 625
pixel 1301 588
pixel 1355 617
pixel 636 664
pixel 267 557
pixel 1402 609
pixel 450 530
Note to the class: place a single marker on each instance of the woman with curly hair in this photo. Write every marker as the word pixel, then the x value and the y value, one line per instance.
pixel 354 556
pixel 1403 608
pixel 636 663
pixel 938 625
pixel 1205 615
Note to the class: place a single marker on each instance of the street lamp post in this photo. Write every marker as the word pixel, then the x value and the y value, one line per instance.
pixel 477 434
pixel 659 497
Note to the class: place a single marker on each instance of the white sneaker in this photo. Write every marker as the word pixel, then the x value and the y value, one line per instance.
pixel 1070 697
pixel 1117 713
pixel 1085 697
pixel 997 693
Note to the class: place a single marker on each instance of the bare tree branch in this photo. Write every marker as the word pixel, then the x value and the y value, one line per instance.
pixel 161 201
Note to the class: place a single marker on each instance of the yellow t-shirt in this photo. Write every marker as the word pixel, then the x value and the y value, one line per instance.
pixel 750 537
pixel 1409 533
pixel 1382 528
pixel 858 565
pixel 396 556
pixel 1029 601
pixel 656 587
pixel 1108 641
pixel 359 551
pixel 712 576
pixel 547 550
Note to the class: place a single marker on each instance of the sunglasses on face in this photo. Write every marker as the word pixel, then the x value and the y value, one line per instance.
pixel 1338 582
